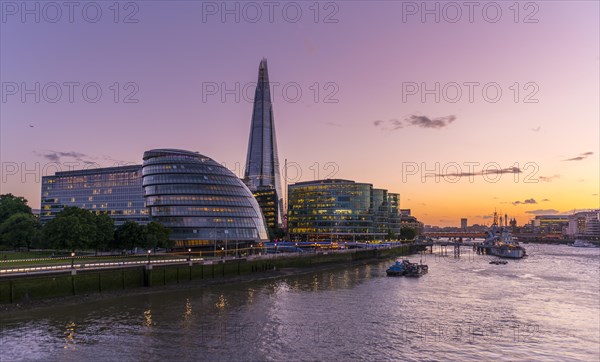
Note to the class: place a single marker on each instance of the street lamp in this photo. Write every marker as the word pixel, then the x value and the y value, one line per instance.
pixel 251 249
pixel 226 234
pixel 72 259
pixel 149 251
pixel 189 254
pixel 222 252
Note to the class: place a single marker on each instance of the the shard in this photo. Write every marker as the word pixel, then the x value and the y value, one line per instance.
pixel 262 164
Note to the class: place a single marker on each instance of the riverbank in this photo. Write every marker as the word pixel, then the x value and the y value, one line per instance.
pixel 26 291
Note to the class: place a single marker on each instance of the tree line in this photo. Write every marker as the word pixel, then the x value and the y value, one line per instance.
pixel 73 229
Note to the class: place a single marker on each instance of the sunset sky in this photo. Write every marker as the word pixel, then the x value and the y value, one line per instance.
pixel 370 62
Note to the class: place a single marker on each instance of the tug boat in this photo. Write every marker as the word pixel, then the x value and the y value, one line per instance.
pixel 406 268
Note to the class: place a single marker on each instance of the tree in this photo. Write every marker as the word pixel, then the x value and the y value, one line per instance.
pixel 73 228
pixel 105 232
pixel 19 230
pixel 157 236
pixel 10 205
pixel 407 233
pixel 129 235
pixel 391 235
pixel 271 233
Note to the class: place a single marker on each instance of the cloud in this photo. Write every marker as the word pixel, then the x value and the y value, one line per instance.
pixel 333 124
pixel 56 156
pixel 62 157
pixel 545 200
pixel 525 202
pixel 487 217
pixel 537 129
pixel 417 121
pixel 425 122
pixel 582 156
pixel 543 212
pixel 396 124
pixel 594 194
pixel 548 178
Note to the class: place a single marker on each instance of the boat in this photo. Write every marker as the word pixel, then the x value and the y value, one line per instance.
pixel 499 242
pixel 582 244
pixel 416 270
pixel 498 262
pixel 406 268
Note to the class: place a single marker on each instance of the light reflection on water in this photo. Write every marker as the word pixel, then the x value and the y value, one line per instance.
pixel 545 307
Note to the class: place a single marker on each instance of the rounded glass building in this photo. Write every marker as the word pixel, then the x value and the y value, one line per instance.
pixel 202 202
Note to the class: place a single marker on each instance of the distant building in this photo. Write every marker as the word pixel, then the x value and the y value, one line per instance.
pixel 342 210
pixel 115 191
pixel 584 224
pixel 550 224
pixel 411 222
pixel 463 224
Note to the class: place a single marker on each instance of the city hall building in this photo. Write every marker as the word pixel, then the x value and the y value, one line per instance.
pixel 202 202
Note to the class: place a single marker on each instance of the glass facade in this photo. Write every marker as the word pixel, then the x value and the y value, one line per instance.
pixel 116 191
pixel 262 162
pixel 199 200
pixel 394 213
pixel 380 211
pixel 330 209
pixel 269 205
pixel 341 210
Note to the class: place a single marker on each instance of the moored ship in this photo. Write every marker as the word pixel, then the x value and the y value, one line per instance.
pixel 499 242
pixel 582 244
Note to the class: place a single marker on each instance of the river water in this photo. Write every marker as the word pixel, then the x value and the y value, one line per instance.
pixel 544 307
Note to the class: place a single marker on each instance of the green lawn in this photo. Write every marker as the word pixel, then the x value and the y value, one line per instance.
pixel 12 255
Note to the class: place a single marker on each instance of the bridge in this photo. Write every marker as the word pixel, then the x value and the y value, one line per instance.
pixel 456 245
pixel 453 234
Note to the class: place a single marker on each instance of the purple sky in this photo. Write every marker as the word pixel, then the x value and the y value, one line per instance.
pixel 364 61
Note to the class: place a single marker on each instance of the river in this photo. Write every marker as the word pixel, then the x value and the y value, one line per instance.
pixel 544 307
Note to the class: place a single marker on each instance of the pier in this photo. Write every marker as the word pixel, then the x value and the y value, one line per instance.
pixel 456 245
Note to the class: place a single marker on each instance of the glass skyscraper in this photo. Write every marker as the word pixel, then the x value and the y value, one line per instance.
pixel 116 191
pixel 262 163
pixel 202 202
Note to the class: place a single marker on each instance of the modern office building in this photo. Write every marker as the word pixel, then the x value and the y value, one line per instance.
pixel 380 211
pixel 394 214
pixel 116 191
pixel 585 224
pixel 409 221
pixel 202 202
pixel 269 205
pixel 341 210
pixel 262 163
pixel 550 224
